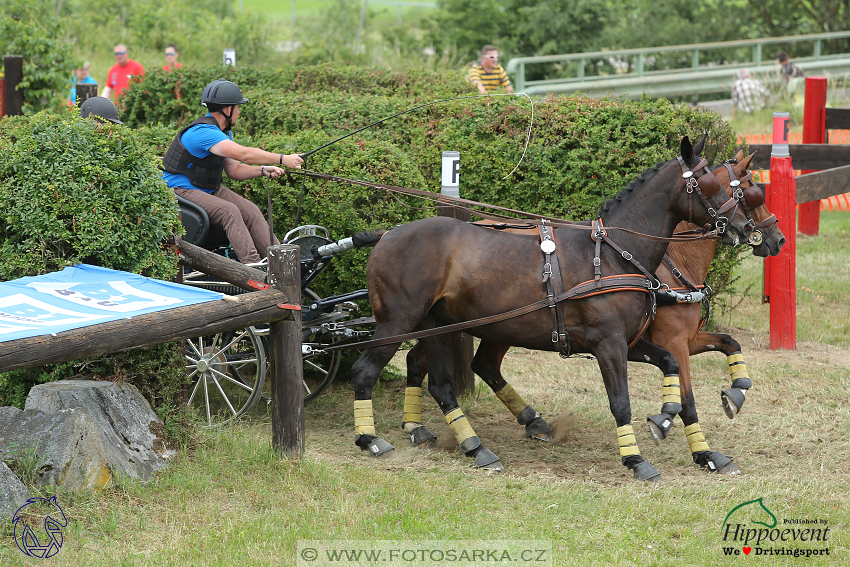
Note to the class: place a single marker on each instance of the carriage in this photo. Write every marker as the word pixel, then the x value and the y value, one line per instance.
pixel 228 370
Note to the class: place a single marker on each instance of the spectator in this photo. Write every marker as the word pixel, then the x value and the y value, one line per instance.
pixel 748 94
pixel 100 109
pixel 203 150
pixel 488 75
pixel 171 55
pixel 788 70
pixel 81 76
pixel 120 73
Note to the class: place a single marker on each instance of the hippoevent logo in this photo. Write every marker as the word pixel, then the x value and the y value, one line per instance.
pixel 751 528
pixel 39 545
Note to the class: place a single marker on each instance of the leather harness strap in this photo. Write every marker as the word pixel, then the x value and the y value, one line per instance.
pixel 554 287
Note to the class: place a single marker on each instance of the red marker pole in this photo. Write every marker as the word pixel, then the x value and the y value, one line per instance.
pixel 814 132
pixel 782 268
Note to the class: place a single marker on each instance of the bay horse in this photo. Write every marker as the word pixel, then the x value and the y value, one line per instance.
pixel 675 328
pixel 440 271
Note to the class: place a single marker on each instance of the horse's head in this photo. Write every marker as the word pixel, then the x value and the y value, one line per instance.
pixel 765 236
pixel 704 202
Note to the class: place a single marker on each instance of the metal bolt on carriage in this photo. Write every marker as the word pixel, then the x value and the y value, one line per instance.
pixel 228 370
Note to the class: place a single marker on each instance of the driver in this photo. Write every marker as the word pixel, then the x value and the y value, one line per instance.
pixel 203 150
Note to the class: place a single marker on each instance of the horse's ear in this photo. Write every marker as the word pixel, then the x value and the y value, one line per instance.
pixel 701 144
pixel 687 150
pixel 740 155
pixel 745 162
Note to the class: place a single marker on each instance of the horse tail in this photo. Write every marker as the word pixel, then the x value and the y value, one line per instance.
pixel 361 240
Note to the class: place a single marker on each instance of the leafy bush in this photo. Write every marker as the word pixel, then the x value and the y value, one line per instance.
pixel 29 29
pixel 75 191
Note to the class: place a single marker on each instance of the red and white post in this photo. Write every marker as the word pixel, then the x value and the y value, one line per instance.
pixel 814 132
pixel 780 271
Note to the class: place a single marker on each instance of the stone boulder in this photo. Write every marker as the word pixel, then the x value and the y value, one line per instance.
pixel 13 493
pixel 130 431
pixel 68 442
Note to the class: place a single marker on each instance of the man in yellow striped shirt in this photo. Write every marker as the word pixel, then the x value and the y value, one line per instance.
pixel 489 75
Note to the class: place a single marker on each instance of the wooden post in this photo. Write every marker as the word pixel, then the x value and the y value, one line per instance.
pixel 85 91
pixel 814 132
pixel 782 291
pixel 462 343
pixel 287 389
pixel 13 69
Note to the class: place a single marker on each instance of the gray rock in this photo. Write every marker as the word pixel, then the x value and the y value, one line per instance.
pixel 68 443
pixel 130 430
pixel 13 493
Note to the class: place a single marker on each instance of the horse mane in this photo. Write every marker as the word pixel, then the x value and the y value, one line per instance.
pixel 630 187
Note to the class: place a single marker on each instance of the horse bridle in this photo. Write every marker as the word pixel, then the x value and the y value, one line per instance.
pixel 692 186
pixel 750 198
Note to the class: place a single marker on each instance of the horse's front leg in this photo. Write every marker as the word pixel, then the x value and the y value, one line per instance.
pixel 732 398
pixel 440 359
pixel 487 364
pixel 365 373
pixel 611 354
pixel 671 394
pixel 417 368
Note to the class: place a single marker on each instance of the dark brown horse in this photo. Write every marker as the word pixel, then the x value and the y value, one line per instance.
pixel 440 271
pixel 675 328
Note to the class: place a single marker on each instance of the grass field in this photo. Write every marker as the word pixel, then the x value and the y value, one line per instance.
pixel 230 500
pixel 282 10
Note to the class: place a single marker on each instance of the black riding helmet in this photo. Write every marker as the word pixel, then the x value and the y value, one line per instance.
pixel 220 94
pixel 100 108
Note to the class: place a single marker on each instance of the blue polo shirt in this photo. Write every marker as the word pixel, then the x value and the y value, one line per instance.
pixel 197 140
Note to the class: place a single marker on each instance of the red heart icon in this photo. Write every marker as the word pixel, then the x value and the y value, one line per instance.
pixel 747 550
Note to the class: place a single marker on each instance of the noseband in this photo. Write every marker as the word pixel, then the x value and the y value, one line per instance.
pixel 705 193
pixel 750 198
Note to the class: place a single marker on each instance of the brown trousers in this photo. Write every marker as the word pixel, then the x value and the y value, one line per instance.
pixel 242 220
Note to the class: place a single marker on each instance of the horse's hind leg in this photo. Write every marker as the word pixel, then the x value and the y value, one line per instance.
pixel 417 368
pixel 365 373
pixel 732 398
pixel 487 364
pixel 440 360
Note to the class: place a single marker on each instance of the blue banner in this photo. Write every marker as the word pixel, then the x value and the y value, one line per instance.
pixel 84 295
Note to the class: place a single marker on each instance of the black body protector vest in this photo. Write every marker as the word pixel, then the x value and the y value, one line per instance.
pixel 205 173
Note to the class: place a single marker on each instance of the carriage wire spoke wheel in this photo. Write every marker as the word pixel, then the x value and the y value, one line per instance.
pixel 228 371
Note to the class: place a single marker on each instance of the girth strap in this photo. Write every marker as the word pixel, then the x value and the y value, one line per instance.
pixel 554 287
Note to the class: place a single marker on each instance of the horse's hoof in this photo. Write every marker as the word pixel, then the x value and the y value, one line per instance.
pixel 538 429
pixel 645 471
pixel 380 448
pixel 732 400
pixel 717 462
pixel 486 459
pixel 659 426
pixel 422 436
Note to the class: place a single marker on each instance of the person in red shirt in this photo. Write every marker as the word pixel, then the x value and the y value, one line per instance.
pixel 120 73
pixel 171 55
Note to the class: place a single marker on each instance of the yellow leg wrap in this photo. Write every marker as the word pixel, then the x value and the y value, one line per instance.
pixel 737 368
pixel 512 400
pixel 670 391
pixel 628 443
pixel 413 405
pixel 460 425
pixel 695 438
pixel 364 423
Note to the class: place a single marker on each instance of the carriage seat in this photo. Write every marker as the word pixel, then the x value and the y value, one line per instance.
pixel 199 229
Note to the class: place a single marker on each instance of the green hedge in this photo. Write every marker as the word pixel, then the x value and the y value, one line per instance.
pixel 74 191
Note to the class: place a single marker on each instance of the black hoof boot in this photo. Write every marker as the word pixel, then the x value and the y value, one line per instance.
pixel 539 429
pixel 486 459
pixel 733 398
pixel 376 446
pixel 660 426
pixel 422 436
pixel 645 471
pixel 716 462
